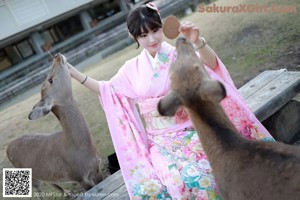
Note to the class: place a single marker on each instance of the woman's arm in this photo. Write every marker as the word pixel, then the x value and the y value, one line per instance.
pixel 208 55
pixel 88 82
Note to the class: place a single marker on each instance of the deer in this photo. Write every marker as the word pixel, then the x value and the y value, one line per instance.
pixel 65 156
pixel 243 169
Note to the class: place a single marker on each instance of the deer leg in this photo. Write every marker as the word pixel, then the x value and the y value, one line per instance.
pixel 36 184
pixel 66 193
pixel 87 184
pixel 98 178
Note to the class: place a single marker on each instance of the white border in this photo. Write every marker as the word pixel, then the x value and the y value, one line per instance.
pixel 18 169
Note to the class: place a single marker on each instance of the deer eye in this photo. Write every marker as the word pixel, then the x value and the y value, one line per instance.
pixel 50 80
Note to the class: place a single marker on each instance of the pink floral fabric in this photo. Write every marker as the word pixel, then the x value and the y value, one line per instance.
pixel 162 157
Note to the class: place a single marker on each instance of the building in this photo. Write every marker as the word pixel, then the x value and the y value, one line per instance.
pixel 32 27
pixel 77 28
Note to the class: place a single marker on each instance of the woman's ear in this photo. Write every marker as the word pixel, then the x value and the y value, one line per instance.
pixel 131 36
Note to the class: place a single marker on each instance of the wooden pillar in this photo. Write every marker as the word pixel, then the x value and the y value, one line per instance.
pixel 86 20
pixel 37 42
pixel 123 6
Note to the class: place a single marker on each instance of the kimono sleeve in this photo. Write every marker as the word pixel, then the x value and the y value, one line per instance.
pixel 222 71
pixel 122 84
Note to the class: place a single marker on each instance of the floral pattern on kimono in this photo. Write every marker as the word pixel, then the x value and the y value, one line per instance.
pixel 163 158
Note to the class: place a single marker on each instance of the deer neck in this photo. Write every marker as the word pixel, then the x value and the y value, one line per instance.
pixel 216 132
pixel 73 124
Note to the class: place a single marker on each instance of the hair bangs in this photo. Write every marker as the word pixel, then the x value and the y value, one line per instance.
pixel 146 25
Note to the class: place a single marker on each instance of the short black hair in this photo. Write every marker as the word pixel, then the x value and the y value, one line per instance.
pixel 142 20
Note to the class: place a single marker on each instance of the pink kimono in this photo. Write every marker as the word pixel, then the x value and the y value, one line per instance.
pixel 162 157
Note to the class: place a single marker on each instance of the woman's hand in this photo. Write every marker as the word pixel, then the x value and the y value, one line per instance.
pixel 190 31
pixel 72 69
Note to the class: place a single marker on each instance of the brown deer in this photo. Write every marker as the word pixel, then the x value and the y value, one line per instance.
pixel 243 169
pixel 64 156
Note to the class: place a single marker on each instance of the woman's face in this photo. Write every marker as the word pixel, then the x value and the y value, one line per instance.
pixel 151 41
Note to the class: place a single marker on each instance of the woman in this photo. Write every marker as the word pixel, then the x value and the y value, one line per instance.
pixel 163 159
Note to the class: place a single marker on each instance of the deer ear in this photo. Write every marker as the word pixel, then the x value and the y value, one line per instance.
pixel 213 90
pixel 168 105
pixel 40 109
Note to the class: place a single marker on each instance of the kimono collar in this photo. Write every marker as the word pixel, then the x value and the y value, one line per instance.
pixel 151 59
pixel 162 57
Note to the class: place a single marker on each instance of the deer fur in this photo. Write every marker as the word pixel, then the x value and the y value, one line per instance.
pixel 68 155
pixel 243 169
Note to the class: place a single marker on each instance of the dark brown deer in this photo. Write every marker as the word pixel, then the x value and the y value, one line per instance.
pixel 243 169
pixel 64 156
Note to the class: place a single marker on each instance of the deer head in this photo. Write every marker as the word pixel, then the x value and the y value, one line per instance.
pixel 190 81
pixel 56 89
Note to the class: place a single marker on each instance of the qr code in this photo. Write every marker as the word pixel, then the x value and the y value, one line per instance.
pixel 17 182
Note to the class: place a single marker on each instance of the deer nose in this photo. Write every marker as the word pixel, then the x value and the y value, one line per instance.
pixel 58 55
pixel 180 40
